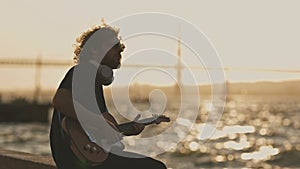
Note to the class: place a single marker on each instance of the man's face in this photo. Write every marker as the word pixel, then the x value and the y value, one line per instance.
pixel 113 56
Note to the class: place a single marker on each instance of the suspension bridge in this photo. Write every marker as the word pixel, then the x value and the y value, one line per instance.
pixel 38 63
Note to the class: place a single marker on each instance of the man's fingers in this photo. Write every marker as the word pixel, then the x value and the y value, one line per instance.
pixel 138 127
pixel 137 117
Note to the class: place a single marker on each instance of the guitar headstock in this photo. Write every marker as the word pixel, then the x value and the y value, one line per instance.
pixel 160 118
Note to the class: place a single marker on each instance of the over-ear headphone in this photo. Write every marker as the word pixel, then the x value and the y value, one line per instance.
pixel 106 74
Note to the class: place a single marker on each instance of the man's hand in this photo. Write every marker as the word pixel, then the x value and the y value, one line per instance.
pixel 137 128
pixel 131 128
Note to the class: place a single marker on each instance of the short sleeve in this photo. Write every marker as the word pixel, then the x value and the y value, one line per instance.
pixel 84 98
pixel 67 81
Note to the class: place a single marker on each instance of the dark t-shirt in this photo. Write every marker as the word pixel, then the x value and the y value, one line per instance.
pixel 59 141
pixel 83 95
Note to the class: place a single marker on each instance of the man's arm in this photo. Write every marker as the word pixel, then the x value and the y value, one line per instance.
pixel 131 128
pixel 63 102
pixel 110 118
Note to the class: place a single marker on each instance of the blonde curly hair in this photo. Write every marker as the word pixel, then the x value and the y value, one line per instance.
pixel 82 39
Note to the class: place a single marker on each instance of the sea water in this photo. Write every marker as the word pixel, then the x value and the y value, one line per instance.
pixel 254 132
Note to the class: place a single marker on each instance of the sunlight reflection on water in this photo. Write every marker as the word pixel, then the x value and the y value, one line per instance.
pixel 264 153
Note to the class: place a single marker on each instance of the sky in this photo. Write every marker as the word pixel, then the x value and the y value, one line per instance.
pixel 246 34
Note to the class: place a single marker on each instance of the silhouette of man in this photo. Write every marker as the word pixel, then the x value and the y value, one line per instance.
pixel 87 56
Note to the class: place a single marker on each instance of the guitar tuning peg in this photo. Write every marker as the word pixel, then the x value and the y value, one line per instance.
pixel 87 147
pixel 94 149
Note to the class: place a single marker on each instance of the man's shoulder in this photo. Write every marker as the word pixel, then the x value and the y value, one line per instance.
pixel 70 71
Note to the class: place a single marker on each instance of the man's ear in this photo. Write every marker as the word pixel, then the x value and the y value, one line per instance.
pixel 96 53
pixel 93 51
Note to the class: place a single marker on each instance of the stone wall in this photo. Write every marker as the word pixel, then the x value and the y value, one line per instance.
pixel 19 160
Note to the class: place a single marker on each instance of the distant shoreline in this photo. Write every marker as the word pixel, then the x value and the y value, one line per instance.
pixel 291 87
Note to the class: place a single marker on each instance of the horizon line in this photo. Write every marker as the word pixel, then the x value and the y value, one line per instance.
pixel 168 85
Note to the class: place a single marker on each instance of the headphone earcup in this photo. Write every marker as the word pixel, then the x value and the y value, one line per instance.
pixel 106 75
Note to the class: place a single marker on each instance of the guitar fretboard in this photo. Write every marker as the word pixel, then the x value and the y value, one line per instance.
pixel 147 121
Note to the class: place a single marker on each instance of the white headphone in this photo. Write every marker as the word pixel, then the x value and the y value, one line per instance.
pixel 106 74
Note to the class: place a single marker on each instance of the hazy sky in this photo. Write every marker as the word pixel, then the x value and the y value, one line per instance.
pixel 252 34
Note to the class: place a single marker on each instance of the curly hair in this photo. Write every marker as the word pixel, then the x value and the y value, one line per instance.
pixel 83 38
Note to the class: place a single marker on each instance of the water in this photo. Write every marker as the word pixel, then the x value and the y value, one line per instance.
pixel 254 132
pixel 26 137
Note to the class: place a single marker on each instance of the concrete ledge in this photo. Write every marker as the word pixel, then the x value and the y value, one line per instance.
pixel 19 160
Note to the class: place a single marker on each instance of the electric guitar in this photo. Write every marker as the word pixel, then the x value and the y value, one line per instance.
pixel 87 150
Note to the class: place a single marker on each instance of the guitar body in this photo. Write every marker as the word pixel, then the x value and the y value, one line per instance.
pixel 81 145
pixel 88 151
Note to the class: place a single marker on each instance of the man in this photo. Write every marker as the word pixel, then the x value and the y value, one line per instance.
pixel 98 52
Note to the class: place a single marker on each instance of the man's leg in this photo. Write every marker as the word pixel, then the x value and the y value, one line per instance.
pixel 127 160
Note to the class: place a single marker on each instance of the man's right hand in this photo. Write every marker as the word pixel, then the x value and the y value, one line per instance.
pixel 131 128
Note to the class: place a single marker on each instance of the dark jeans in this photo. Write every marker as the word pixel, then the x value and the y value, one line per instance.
pixel 67 160
pixel 115 161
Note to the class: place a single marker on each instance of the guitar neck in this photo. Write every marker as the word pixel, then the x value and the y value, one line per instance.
pixel 147 121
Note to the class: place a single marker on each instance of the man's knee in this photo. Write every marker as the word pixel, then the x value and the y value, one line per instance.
pixel 154 164
pixel 160 165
